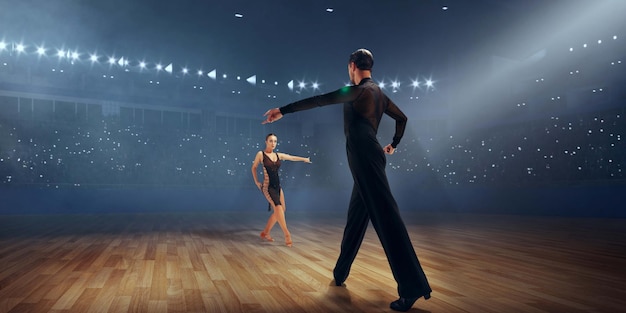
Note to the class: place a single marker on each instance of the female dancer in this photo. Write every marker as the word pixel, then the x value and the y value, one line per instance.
pixel 271 185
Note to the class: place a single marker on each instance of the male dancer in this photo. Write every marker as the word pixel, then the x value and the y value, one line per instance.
pixel 364 105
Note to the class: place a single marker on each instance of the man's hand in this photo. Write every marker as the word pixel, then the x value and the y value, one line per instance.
pixel 389 149
pixel 273 115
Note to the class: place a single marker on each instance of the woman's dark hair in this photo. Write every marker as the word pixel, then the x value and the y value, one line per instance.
pixel 270 134
pixel 363 59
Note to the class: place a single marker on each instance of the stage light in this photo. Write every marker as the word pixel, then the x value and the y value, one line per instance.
pixel 445 8
pixel 41 51
pixel 415 84
pixel 301 85
pixel 20 48
pixel 584 45
pixel 275 83
pixel 3 45
pixel 315 86
pixel 600 41
pixel 252 80
pixel 571 49
pixel 212 74
pixel 185 70
pixel 330 10
pixel 75 55
pixel 224 76
pixel 142 64
pixel 238 15
pixel 200 73
pixel 159 67
pixel 395 84
pixel 61 54
pixel 290 85
pixel 169 68
pixel 112 60
pixel 614 37
pixel 93 58
pixel 381 85
pixel 429 83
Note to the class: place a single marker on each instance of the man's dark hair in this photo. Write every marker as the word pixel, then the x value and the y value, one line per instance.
pixel 363 59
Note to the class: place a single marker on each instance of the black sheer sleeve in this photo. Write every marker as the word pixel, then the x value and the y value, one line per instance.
pixel 364 103
pixel 345 94
pixel 394 112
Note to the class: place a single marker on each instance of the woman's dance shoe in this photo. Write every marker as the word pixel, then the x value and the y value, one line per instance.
pixel 266 237
pixel 288 241
pixel 404 304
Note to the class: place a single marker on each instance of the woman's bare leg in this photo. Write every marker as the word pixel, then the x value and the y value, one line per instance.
pixel 279 211
pixel 270 224
pixel 277 216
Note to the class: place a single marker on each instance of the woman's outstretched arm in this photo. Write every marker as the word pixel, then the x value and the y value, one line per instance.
pixel 288 157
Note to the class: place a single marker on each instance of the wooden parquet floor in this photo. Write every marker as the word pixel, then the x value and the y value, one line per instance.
pixel 215 262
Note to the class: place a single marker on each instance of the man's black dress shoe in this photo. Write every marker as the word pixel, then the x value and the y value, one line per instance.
pixel 404 304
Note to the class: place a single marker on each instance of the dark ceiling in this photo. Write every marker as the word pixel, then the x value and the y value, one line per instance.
pixel 287 36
